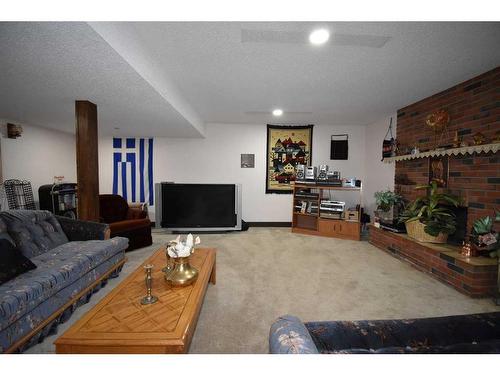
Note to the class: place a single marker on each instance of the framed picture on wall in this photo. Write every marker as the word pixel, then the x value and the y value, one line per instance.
pixel 438 170
pixel 287 146
pixel 247 160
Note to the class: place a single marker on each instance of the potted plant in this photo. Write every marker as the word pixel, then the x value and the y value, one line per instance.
pixel 483 235
pixel 429 218
pixel 388 204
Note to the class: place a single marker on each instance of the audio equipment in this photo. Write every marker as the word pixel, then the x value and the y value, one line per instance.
pixel 300 172
pixel 335 206
pixel 350 182
pixel 306 194
pixel 323 171
pixel 311 173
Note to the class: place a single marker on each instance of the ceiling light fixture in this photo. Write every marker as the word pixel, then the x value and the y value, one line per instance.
pixel 277 112
pixel 319 36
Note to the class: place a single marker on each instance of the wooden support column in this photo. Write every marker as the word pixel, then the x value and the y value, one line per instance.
pixel 87 166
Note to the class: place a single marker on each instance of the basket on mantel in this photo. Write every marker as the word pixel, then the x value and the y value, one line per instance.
pixel 415 229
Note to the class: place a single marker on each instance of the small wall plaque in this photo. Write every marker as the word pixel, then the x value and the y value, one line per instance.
pixel 247 160
pixel 14 131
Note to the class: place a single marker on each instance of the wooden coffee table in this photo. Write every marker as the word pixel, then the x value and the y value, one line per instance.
pixel 120 324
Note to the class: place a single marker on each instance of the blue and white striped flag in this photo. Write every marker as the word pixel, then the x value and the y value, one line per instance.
pixel 133 169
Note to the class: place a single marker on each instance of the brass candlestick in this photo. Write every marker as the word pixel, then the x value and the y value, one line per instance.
pixel 149 298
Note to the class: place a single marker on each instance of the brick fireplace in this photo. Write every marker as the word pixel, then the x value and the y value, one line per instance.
pixel 473 106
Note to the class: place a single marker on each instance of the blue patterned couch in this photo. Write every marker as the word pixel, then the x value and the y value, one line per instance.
pixel 477 333
pixel 74 259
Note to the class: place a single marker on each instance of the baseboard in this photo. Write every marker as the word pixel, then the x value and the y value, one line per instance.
pixel 269 223
pixel 285 224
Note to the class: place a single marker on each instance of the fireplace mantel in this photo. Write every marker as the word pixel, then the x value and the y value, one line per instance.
pixel 468 150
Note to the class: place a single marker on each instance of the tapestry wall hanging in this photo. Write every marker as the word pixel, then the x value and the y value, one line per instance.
pixel 287 146
pixel 133 169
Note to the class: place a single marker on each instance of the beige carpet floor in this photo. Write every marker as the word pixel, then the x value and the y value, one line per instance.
pixel 267 272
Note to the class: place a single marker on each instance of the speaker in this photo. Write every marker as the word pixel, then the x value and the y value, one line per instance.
pixel 300 172
pixel 311 173
pixel 323 170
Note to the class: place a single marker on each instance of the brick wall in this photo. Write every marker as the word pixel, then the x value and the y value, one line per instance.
pixel 474 106
pixel 475 277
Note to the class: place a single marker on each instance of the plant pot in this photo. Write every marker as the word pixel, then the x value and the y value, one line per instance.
pixel 386 217
pixel 415 230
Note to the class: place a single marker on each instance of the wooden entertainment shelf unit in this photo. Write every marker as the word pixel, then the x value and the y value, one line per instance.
pixel 313 223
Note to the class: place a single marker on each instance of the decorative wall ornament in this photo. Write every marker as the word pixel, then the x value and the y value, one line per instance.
pixel 438 122
pixel 287 146
pixel 14 131
pixel 247 160
pixel 479 139
pixel 438 170
pixel 389 145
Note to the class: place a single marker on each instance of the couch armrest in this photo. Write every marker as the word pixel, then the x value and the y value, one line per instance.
pixel 136 213
pixel 288 335
pixel 79 230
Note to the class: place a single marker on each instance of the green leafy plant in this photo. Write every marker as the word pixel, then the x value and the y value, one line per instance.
pixel 433 211
pixel 484 226
pixel 385 200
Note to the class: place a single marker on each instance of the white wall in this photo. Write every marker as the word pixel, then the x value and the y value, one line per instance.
pixel 38 155
pixel 216 159
pixel 379 175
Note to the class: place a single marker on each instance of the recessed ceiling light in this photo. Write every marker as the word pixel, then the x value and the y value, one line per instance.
pixel 319 36
pixel 277 112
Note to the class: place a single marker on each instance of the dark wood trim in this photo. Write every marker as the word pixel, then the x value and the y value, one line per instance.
pixel 1 168
pixel 285 224
pixel 63 307
pixel 87 164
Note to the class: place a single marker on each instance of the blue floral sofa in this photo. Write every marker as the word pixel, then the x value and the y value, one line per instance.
pixel 74 259
pixel 477 333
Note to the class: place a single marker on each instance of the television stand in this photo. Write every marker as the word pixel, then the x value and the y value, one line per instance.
pixel 313 223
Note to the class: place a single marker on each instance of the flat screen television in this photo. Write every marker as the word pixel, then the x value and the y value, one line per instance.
pixel 197 207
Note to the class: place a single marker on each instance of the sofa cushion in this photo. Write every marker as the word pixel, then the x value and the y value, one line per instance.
pixel 483 347
pixel 35 317
pixel 33 232
pixel 112 208
pixel 56 269
pixel 417 334
pixel 128 225
pixel 136 213
pixel 288 335
pixel 3 231
pixel 12 262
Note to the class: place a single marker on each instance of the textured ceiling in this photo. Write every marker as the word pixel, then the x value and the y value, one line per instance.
pixel 45 67
pixel 168 78
pixel 225 79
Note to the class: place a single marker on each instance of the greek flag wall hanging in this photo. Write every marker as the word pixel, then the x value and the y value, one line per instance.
pixel 133 169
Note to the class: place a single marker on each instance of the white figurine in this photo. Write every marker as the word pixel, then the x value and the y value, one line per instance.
pixel 180 249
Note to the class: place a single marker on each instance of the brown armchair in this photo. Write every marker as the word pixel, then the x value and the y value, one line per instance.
pixel 125 221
